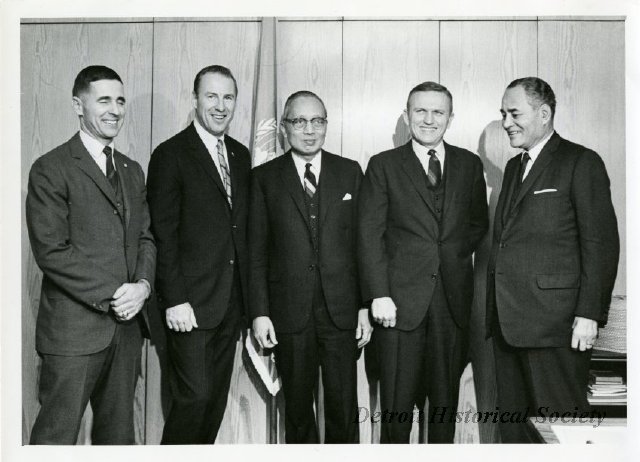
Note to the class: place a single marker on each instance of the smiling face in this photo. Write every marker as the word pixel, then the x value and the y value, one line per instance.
pixel 428 116
pixel 307 141
pixel 215 102
pixel 101 109
pixel 525 122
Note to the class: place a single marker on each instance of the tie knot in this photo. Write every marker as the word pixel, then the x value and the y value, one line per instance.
pixel 308 167
pixel 219 145
pixel 432 153
pixel 107 151
pixel 525 157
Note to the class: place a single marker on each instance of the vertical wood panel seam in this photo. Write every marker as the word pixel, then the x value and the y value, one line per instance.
pixel 538 47
pixel 146 375
pixel 439 52
pixel 342 87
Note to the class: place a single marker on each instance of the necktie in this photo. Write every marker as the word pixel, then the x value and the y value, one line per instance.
pixel 434 174
pixel 310 184
pixel 524 160
pixel 111 172
pixel 224 170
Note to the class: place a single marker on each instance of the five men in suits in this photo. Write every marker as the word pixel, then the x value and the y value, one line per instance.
pixel 422 213
pixel 198 195
pixel 553 262
pixel 88 225
pixel 305 298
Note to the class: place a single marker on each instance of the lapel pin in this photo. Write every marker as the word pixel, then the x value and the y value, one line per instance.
pixel 124 165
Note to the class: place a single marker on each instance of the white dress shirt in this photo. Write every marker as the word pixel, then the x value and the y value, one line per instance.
pixel 95 149
pixel 301 166
pixel 534 153
pixel 423 155
pixel 211 143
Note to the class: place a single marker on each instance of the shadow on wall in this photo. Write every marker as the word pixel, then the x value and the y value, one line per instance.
pixel 494 151
pixel 401 135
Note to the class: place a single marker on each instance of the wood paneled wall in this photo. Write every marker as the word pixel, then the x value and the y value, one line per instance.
pixel 363 69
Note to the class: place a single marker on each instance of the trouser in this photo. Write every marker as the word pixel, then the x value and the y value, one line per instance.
pixel 427 361
pixel 202 365
pixel 298 357
pixel 106 379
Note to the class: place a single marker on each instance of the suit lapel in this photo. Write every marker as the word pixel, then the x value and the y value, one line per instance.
pixel 451 180
pixel 86 163
pixel 541 163
pixel 508 185
pixel 414 170
pixel 201 154
pixel 291 180
pixel 122 170
pixel 234 169
pixel 329 185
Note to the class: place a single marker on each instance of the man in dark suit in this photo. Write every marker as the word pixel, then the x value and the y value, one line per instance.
pixel 305 296
pixel 88 226
pixel 422 213
pixel 198 195
pixel 553 262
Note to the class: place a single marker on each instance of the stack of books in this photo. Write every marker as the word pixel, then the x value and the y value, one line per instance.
pixel 606 387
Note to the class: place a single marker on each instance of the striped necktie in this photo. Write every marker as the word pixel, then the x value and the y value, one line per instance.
pixel 435 170
pixel 224 171
pixel 310 184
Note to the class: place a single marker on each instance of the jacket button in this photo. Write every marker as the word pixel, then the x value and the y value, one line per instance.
pixel 502 245
pixel 231 262
pixel 234 226
pixel 440 243
pixel 434 276
pixel 115 212
pixel 311 267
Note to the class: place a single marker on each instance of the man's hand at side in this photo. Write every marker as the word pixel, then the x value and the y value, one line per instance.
pixel 384 311
pixel 264 332
pixel 181 318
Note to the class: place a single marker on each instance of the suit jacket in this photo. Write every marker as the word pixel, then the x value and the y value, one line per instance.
pixel 200 238
pixel 402 246
pixel 79 242
pixel 283 261
pixel 555 253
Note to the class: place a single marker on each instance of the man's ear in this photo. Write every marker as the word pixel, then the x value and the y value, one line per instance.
pixel 545 112
pixel 76 102
pixel 405 117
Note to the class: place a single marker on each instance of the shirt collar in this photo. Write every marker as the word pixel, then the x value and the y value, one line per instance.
pixel 301 165
pixel 537 149
pixel 94 146
pixel 423 151
pixel 209 140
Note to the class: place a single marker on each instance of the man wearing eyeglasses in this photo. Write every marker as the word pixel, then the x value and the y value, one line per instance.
pixel 422 213
pixel 305 298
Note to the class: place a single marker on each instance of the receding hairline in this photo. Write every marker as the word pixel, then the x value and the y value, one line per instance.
pixel 295 97
pixel 449 98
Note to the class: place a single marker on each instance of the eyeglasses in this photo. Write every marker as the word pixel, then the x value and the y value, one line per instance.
pixel 298 124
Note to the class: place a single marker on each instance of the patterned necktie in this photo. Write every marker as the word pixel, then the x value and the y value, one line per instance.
pixel 111 172
pixel 435 170
pixel 224 170
pixel 524 160
pixel 523 164
pixel 310 184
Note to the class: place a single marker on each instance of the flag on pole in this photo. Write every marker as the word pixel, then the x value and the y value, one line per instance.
pixel 265 125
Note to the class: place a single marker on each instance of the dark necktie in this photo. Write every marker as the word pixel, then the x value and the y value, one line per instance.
pixel 224 170
pixel 434 174
pixel 111 172
pixel 310 184
pixel 524 160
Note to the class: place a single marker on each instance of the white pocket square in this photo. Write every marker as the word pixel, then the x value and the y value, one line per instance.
pixel 347 197
pixel 542 191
